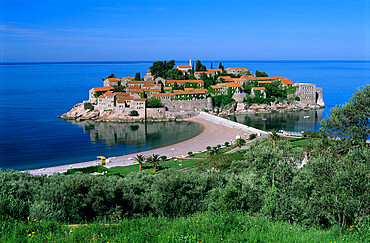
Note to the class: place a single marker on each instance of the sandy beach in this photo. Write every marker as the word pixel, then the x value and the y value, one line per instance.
pixel 212 135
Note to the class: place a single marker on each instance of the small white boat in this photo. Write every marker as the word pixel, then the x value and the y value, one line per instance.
pixel 306 117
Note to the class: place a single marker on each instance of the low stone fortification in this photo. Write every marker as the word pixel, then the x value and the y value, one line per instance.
pixel 232 124
pixel 187 105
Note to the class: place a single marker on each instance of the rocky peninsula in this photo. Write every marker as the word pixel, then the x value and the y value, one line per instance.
pixel 166 93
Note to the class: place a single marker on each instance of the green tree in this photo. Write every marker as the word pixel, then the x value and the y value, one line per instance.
pixel 160 68
pixel 214 151
pixel 134 113
pixel 110 76
pixel 154 160
pixel 240 143
pixel 350 122
pixel 140 158
pixel 261 74
pixel 199 66
pixel 154 102
pixel 220 66
pixel 88 106
pixel 274 136
pixel 137 77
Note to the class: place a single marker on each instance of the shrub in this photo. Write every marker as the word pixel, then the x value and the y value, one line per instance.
pixel 252 136
pixel 163 157
pixel 88 106
pixel 297 98
pixel 134 113
pixel 154 102
pixel 227 144
pixel 190 153
pixel 208 148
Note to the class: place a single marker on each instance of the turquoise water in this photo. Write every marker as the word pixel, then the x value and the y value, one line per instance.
pixel 32 95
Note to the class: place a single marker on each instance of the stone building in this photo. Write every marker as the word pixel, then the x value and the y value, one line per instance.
pixel 111 82
pixel 92 92
pixel 148 76
pixel 236 70
pixel 309 94
pixel 261 91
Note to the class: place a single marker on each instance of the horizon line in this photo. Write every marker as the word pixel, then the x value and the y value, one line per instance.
pixel 235 60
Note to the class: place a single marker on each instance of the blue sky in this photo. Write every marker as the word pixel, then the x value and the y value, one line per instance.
pixel 96 30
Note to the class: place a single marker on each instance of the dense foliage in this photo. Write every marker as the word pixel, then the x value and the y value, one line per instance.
pixel 261 74
pixel 153 102
pixel 88 106
pixel 159 68
pixel 134 113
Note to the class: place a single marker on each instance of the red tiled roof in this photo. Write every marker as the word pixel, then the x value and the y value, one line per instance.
pixel 195 91
pixel 152 90
pixel 188 89
pixel 139 99
pixel 101 96
pixel 184 66
pixel 215 87
pixel 226 78
pixel 103 88
pixel 266 78
pixel 167 88
pixel 265 82
pixel 130 78
pixel 259 88
pixel 123 99
pixel 140 82
pixel 110 94
pixel 233 85
pixel 133 87
pixel 214 70
pixel 163 94
pixel 287 81
pixel 136 91
pixel 122 94
pixel 184 81
pixel 113 79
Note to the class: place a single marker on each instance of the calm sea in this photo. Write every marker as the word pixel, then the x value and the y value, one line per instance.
pixel 32 95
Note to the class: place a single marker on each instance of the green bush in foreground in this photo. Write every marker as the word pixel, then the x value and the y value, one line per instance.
pixel 200 227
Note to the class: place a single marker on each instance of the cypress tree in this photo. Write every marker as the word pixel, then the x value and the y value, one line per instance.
pixel 137 76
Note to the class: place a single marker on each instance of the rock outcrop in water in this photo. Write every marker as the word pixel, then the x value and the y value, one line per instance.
pixel 79 113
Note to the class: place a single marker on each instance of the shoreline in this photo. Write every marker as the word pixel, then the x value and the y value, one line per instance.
pixel 216 131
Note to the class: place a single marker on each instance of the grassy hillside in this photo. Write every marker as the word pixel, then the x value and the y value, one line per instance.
pixel 199 227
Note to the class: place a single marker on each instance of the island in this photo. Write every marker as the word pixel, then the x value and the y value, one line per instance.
pixel 169 93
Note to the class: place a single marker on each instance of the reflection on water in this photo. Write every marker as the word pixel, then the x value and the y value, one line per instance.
pixel 289 121
pixel 148 134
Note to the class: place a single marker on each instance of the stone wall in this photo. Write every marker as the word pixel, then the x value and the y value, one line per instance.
pixel 188 105
pixel 239 97
pixel 155 113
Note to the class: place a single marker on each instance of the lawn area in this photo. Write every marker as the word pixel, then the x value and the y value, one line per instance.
pixel 206 153
pixel 125 170
pixel 201 227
